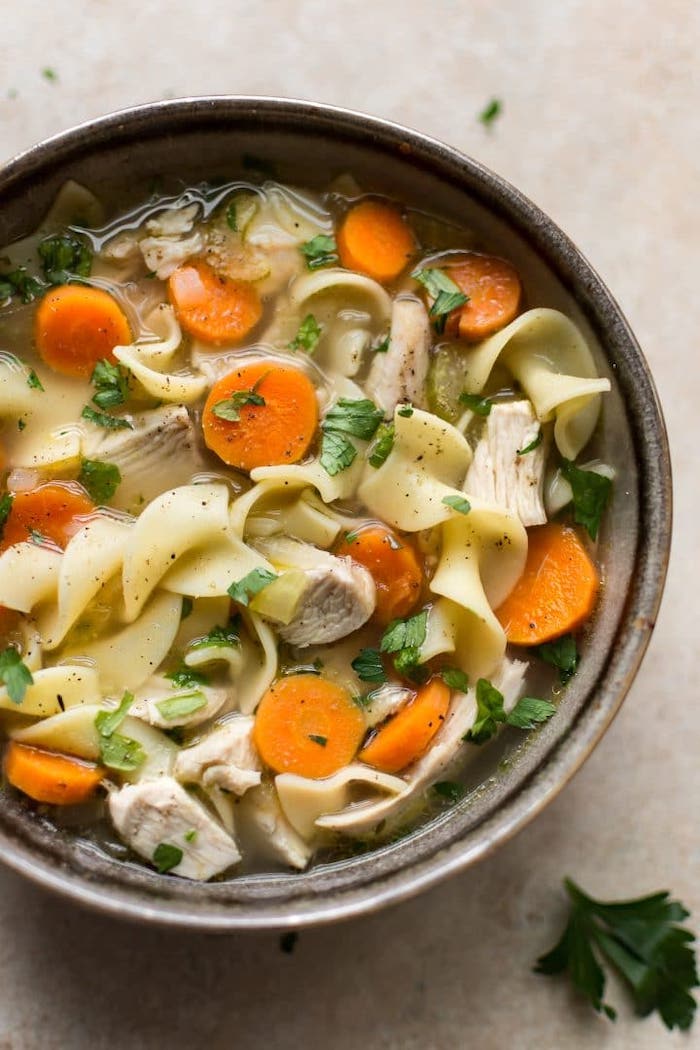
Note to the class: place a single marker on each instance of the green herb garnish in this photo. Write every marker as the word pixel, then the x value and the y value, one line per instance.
pixel 6 502
pixel 251 584
pixel 185 677
pixel 121 753
pixel 591 493
pixel 320 740
pixel 448 790
pixel 455 678
pixel 231 218
pixel 101 419
pixel 321 250
pixel 459 503
pixel 190 835
pixel 230 407
pixel 490 111
pixel 107 722
pixel 33 380
pixel 383 346
pixel 480 406
pixel 406 411
pixel 532 445
pixel 100 480
pixel 181 706
pixel 562 654
pixel 14 674
pixel 166 857
pixel 49 74
pixel 369 666
pixel 218 637
pixel 308 335
pixel 383 444
pixel 447 296
pixel 527 713
pixel 530 712
pixel 20 283
pixel 358 418
pixel 642 940
pixel 64 257
pixel 111 384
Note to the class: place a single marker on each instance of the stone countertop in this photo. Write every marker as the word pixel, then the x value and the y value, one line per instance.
pixel 599 127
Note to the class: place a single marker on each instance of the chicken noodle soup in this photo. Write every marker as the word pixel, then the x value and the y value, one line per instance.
pixel 292 512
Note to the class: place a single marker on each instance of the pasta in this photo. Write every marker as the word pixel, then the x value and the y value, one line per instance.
pixel 264 564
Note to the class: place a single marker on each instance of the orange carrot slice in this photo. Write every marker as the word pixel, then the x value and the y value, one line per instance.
pixel 394 565
pixel 54 511
pixel 407 734
pixel 307 725
pixel 211 307
pixel 557 590
pixel 77 326
pixel 494 291
pixel 376 240
pixel 49 777
pixel 278 431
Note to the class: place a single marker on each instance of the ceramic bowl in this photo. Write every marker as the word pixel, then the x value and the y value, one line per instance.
pixel 118 157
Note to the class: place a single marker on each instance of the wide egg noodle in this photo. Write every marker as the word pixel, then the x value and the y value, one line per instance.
pixel 29 574
pixel 304 800
pixel 259 662
pixel 44 444
pixel 548 355
pixel 146 359
pixel 74 685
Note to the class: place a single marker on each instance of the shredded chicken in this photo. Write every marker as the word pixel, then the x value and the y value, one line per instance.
pixel 400 373
pixel 226 758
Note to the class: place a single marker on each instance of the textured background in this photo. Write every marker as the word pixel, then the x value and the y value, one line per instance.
pixel 600 127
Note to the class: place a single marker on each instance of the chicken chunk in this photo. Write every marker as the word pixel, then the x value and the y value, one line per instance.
pixel 158 454
pixel 226 758
pixel 160 811
pixel 266 823
pixel 163 255
pixel 162 704
pixel 501 472
pixel 400 374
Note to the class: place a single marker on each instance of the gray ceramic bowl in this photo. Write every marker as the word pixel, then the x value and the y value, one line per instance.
pixel 191 139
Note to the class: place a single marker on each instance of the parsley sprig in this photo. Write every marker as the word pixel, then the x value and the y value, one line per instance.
pixel 591 492
pixel 252 583
pixel 446 295
pixel 117 751
pixel 14 674
pixel 307 336
pixel 642 940
pixel 321 250
pixel 347 418
pixel 99 479
pixel 230 407
pixel 111 383
pixel 490 713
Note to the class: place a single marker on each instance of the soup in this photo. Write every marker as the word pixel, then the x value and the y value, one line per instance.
pixel 293 519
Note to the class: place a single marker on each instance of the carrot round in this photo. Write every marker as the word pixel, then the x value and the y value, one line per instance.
pixel 376 240
pixel 557 590
pixel 394 565
pixel 307 725
pixel 54 511
pixel 211 307
pixel 278 431
pixel 76 326
pixel 49 777
pixel 407 734
pixel 494 291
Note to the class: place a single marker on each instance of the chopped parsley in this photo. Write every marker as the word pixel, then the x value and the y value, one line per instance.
pixel 448 790
pixel 459 503
pixel 531 445
pixel 308 335
pixel 530 712
pixel 447 296
pixel 455 678
pixel 562 654
pixel 166 857
pixel 251 584
pixel 14 674
pixel 321 250
pixel 369 666
pixel 382 346
pixel 591 493
pixel 490 112
pixel 181 706
pixel 49 74
pixel 21 284
pixel 121 752
pixel 185 677
pixel 107 722
pixel 358 418
pixel 64 257
pixel 403 638
pixel 643 942
pixel 37 537
pixel 383 444
pixel 231 217
pixel 320 740
pixel 6 502
pixel 480 406
pixel 527 713
pixel 218 637
pixel 33 380
pixel 190 835
pixel 100 480
pixel 406 411
pixel 111 384
pixel 230 407
pixel 101 419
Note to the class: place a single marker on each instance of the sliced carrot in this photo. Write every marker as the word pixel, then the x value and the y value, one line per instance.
pixel 211 307
pixel 307 725
pixel 407 734
pixel 278 431
pixel 494 291
pixel 376 240
pixel 76 326
pixel 49 777
pixel 557 590
pixel 394 565
pixel 54 511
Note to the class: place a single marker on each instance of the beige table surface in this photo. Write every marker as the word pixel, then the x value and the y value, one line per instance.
pixel 600 127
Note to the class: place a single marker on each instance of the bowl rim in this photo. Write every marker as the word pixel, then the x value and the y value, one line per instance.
pixel 655 507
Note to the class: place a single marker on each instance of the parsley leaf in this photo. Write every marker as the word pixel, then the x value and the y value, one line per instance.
pixel 459 503
pixel 6 502
pixel 383 346
pixel 231 218
pixel 20 283
pixel 180 706
pixel 455 678
pixel 320 740
pixel 529 712
pixel 49 74
pixel 369 667
pixel 166 857
pixel 447 296
pixel 448 790
pixel 383 444
pixel 359 418
pixel 230 407
pixel 14 674
pixel 101 480
pixel 190 835
pixel 121 752
pixel 337 452
pixel 405 634
pixel 531 445
pixel 111 384
pixel 218 638
pixel 101 419
pixel 489 713
pixel 319 251
pixel 64 257
pixel 480 406
pixel 406 411
pixel 490 111
pixel 308 335
pixel 642 940
pixel 251 584
pixel 185 677
pixel 33 381
pixel 107 722
pixel 562 654
pixel 591 493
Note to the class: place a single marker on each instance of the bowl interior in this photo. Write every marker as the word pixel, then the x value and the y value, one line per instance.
pixel 189 141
